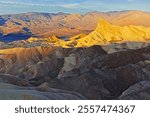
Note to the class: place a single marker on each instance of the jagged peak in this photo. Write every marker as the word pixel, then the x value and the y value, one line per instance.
pixel 103 21
pixel 107 33
pixel 103 24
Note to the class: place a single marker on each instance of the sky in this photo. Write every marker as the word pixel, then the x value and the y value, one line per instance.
pixel 71 6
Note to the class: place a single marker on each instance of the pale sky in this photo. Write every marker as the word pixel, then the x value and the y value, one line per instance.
pixel 71 6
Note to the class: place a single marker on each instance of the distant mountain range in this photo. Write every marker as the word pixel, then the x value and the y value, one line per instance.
pixel 61 24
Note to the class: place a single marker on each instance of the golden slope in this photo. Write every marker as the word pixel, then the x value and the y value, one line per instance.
pixel 22 55
pixel 107 33
pixel 53 41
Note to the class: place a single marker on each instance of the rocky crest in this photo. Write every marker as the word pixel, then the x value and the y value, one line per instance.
pixel 106 33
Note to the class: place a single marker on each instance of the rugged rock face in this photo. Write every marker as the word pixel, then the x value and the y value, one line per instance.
pixel 114 47
pixel 91 72
pixel 139 91
pixel 81 57
pixel 123 58
pixel 6 78
pixel 13 92
pixel 100 84
pixel 105 81
pixel 128 76
pixel 89 84
pixel 31 63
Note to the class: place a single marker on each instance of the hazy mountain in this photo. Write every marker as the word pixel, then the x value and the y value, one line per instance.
pixel 61 24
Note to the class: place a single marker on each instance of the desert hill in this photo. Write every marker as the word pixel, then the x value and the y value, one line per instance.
pixel 106 33
pixel 49 24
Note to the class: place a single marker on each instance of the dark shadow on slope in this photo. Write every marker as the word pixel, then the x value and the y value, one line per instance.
pixel 2 21
pixel 14 37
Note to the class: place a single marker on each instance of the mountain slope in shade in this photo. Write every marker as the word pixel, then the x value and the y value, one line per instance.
pixel 106 33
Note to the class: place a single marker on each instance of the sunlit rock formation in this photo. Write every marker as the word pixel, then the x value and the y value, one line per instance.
pixel 106 33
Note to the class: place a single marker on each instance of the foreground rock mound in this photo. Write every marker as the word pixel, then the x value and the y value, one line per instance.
pixel 13 92
pixel 104 78
pixel 72 73
pixel 32 63
pixel 139 91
